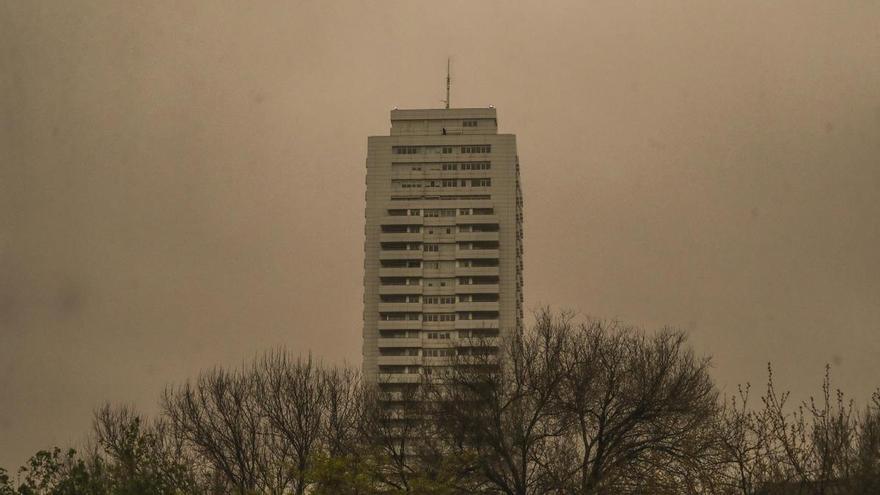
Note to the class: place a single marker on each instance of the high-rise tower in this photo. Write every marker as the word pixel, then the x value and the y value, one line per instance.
pixel 443 239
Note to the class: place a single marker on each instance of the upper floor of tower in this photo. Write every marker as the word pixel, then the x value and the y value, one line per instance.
pixel 444 121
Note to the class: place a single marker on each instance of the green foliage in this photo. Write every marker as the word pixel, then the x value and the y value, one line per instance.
pixel 6 487
pixel 344 475
pixel 56 473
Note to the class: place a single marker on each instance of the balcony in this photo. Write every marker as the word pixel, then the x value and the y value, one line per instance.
pixel 476 289
pixel 437 222
pixel 403 237
pixel 400 272
pixel 399 324
pixel 438 326
pixel 399 307
pixel 473 236
pixel 475 324
pixel 475 219
pixel 393 342
pixel 437 361
pixel 399 360
pixel 476 253
pixel 475 306
pixel 401 220
pixel 478 341
pixel 438 308
pixel 404 289
pixel 399 378
pixel 402 254
pixel 476 271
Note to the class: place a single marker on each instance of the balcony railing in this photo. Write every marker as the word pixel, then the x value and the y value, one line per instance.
pixel 399 324
pixel 399 307
pixel 476 236
pixel 476 271
pixel 399 377
pixel 477 289
pixel 399 360
pixel 475 324
pixel 476 219
pixel 400 272
pixel 393 342
pixel 404 289
pixel 401 254
pixel 402 237
pixel 477 253
pixel 477 306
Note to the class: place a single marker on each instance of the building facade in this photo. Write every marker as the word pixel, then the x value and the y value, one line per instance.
pixel 443 240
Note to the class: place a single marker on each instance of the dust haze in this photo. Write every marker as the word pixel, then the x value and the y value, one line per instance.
pixel 182 185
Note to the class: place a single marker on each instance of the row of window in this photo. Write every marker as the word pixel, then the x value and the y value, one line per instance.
pixel 466 166
pixel 407 184
pixel 439 229
pixel 438 317
pixel 438 352
pixel 440 212
pixel 417 334
pixel 447 299
pixel 447 197
pixel 439 299
pixel 472 315
pixel 412 150
pixel 439 282
pixel 428 352
pixel 481 148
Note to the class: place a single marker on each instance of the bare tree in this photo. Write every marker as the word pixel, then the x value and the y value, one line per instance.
pixel 818 447
pixel 221 418
pixel 391 426
pixel 499 408
pixel 292 397
pixel 344 402
pixel 640 409
pixel 866 471
pixel 143 456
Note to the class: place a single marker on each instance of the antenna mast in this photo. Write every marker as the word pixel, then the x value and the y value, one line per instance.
pixel 447 83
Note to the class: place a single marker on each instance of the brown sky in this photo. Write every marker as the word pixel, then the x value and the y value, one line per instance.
pixel 182 185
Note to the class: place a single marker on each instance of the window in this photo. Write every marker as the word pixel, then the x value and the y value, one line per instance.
pixel 440 212
pixel 447 149
pixel 476 166
pixel 450 166
pixel 438 335
pixel 405 150
pixel 481 182
pixel 414 213
pixel 431 247
pixel 439 317
pixel 479 148
pixel 439 299
pixel 438 352
pixel 469 123
pixel 464 211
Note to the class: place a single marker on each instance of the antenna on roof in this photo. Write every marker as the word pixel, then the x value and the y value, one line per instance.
pixel 448 79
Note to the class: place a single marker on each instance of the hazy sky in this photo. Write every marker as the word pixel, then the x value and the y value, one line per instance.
pixel 182 184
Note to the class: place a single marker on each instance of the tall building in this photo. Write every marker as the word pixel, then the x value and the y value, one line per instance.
pixel 443 239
